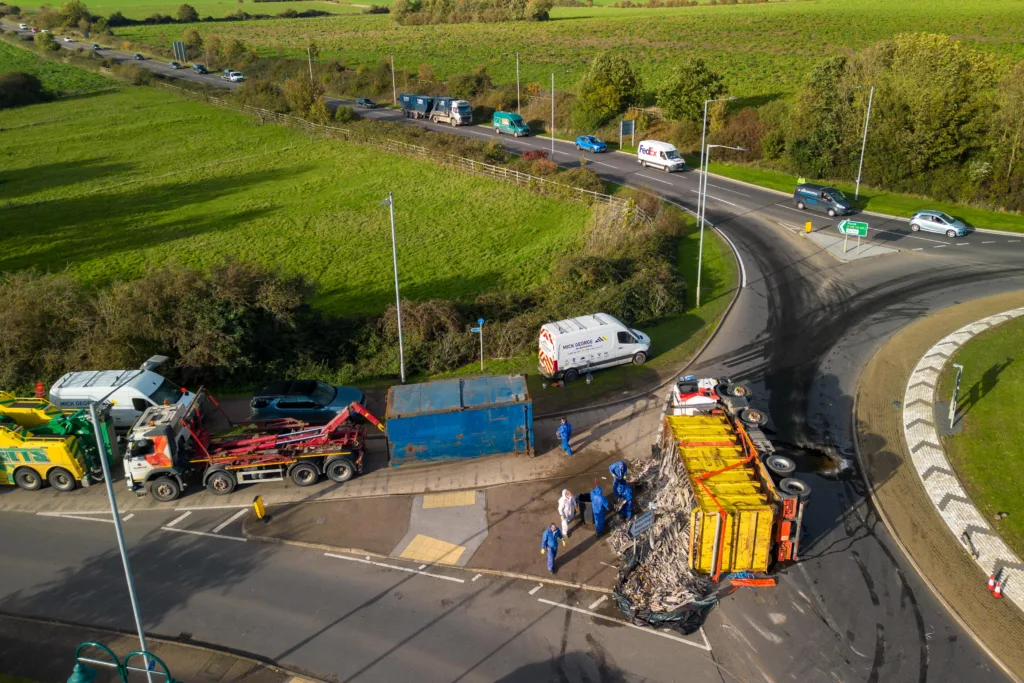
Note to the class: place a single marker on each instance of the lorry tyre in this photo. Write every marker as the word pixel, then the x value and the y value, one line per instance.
pixel 304 474
pixel 28 479
pixel 165 489
pixel 453 123
pixel 221 482
pixel 340 470
pixel 780 465
pixel 753 417
pixel 640 358
pixel 737 390
pixel 61 479
pixel 795 487
pixel 571 375
pixel 800 205
pixel 831 213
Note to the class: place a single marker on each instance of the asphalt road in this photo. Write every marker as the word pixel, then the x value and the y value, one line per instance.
pixel 802 329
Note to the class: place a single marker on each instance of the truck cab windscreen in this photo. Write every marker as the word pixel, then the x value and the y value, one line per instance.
pixel 168 392
pixel 465 110
pixel 672 154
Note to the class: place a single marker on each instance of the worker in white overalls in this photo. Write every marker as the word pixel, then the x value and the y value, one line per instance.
pixel 567 509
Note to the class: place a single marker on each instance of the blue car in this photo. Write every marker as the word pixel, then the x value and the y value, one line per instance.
pixel 306 400
pixel 590 143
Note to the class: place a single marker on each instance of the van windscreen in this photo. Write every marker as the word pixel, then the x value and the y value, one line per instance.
pixel 672 154
pixel 837 195
pixel 167 391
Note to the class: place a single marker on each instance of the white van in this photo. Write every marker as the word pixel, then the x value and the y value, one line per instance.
pixel 589 342
pixel 660 155
pixel 79 389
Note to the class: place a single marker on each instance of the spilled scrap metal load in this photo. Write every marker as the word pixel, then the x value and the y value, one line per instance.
pixel 724 504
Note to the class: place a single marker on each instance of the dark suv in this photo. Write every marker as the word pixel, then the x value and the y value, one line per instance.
pixel 307 400
pixel 199 69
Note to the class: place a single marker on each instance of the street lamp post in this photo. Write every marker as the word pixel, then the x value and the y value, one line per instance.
pixel 552 116
pixel 701 180
pixel 394 90
pixel 703 208
pixel 94 415
pixel 390 203
pixel 517 84
pixel 864 140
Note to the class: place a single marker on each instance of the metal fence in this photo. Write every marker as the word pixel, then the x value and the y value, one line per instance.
pixel 509 175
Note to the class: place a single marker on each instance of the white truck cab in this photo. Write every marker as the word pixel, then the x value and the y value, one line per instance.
pixel 129 399
pixel 660 155
pixel 589 342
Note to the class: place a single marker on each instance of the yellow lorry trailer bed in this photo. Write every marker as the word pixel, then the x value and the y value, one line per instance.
pixel 714 454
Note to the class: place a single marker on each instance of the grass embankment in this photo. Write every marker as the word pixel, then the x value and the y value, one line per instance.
pixel 763 50
pixel 988 454
pixel 109 185
pixel 56 77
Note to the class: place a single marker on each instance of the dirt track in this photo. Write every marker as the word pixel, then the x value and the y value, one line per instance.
pixel 898 491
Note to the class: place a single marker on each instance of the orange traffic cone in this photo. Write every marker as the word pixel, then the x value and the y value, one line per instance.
pixel 998 592
pixel 991 582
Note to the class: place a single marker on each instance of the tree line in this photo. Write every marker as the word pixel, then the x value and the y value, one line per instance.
pixel 418 12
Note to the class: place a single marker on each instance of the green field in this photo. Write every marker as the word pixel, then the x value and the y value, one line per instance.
pixel 988 454
pixel 109 185
pixel 764 50
pixel 56 77
pixel 140 9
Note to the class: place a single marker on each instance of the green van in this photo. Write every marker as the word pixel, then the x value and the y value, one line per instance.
pixel 505 122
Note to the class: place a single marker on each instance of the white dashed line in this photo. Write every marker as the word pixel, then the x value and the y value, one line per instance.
pixel 395 566
pixel 203 533
pixel 940 246
pixel 719 187
pixel 477 577
pixel 717 199
pixel 918 249
pixel 1013 240
pixel 422 566
pixel 989 242
pixel 963 244
pixel 597 603
pixel 600 163
pixel 178 519
pixel 536 588
pixel 89 519
pixel 657 180
pixel 127 517
pixel 232 518
pixel 706 646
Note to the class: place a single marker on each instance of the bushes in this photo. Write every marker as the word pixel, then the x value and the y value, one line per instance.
pixel 45 42
pixel 262 95
pixel 345 114
pixel 18 89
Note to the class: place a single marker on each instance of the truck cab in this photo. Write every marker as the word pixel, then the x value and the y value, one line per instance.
pixel 159 449
pixel 452 111
pixel 512 124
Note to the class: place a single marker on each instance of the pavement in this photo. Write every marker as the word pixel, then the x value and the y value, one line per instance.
pixel 901 496
pixel 43 650
pixel 846 249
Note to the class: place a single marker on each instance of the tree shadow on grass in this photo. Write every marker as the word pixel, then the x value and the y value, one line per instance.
pixel 25 181
pixel 73 230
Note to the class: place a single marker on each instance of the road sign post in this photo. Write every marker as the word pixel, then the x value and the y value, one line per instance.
pixel 479 329
pixel 178 48
pixel 627 127
pixel 956 392
pixel 847 228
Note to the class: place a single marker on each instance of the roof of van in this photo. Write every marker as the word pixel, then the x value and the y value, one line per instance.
pixel 814 187
pixel 108 379
pixel 658 143
pixel 583 323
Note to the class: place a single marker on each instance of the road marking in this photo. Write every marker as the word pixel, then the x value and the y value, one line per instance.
pixel 597 603
pixel 89 519
pixel 706 646
pixel 940 246
pixel 232 518
pixel 72 514
pixel 989 242
pixel 657 180
pixel 600 163
pixel 127 517
pixel 717 199
pixel 477 577
pixel 207 507
pixel 203 533
pixel 423 566
pixel 918 249
pixel 728 190
pixel 963 244
pixel 743 268
pixel 395 566
pixel 536 588
pixel 1013 240
pixel 178 519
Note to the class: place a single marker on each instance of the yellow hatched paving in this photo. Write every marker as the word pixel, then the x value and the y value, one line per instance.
pixel 449 500
pixel 709 443
pixel 433 550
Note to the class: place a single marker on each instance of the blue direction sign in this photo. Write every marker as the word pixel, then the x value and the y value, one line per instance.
pixel 641 524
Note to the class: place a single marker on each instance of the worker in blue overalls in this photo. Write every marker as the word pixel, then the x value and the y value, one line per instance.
pixel 625 492
pixel 549 544
pixel 618 471
pixel 599 506
pixel 563 433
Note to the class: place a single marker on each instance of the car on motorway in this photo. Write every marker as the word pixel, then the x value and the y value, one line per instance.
pixel 46 30
pixel 365 103
pixel 307 400
pixel 937 221
pixel 35 30
pixel 68 39
pixel 590 143
pixel 822 198
pixel 23 27
pixel 96 46
pixel 233 76
pixel 174 65
pixel 199 69
pixel 138 55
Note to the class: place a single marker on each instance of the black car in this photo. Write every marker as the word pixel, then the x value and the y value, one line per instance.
pixel 366 103
pixel 307 400
pixel 138 55
pixel 199 69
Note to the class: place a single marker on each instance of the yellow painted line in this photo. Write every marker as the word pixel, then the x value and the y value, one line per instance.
pixel 449 500
pixel 433 550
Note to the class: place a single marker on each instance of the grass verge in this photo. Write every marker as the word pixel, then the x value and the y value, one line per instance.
pixel 57 78
pixel 989 453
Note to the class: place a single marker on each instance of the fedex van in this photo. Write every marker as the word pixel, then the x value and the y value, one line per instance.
pixel 589 342
pixel 130 399
pixel 660 155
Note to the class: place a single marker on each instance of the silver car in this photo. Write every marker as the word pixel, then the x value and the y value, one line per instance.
pixel 936 221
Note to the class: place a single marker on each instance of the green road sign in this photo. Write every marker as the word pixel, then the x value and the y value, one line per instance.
pixel 853 228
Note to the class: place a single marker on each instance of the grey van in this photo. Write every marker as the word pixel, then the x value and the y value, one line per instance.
pixel 822 198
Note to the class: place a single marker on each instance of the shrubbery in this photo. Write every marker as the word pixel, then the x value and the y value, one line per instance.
pixel 18 89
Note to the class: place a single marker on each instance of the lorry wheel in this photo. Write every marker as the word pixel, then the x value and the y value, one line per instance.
pixel 800 205
pixel 571 375
pixel 164 489
pixel 640 358
pixel 737 390
pixel 780 465
pixel 221 483
pixel 61 479
pixel 28 479
pixel 795 487
pixel 453 123
pixel 753 417
pixel 340 470
pixel 304 474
